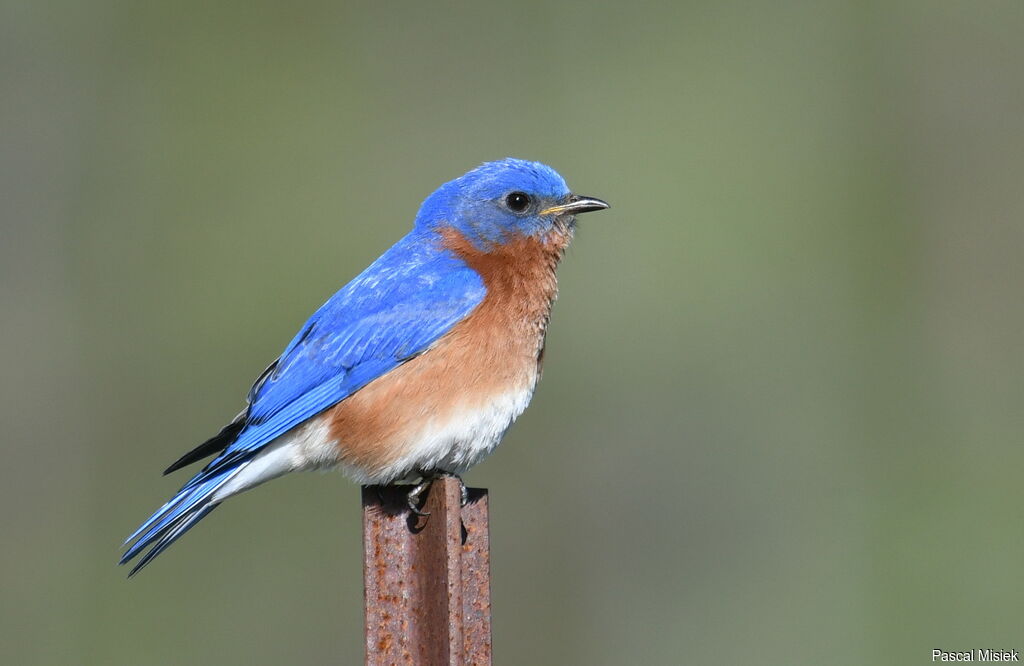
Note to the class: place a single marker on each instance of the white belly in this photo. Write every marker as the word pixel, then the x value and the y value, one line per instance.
pixel 452 442
pixel 456 441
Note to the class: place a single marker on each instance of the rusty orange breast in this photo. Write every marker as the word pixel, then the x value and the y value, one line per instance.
pixel 496 349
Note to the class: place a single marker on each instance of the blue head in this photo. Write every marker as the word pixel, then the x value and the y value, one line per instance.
pixel 504 199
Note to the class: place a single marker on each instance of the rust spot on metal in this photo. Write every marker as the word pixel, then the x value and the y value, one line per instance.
pixel 427 581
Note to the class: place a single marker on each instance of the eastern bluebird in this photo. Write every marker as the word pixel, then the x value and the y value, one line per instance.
pixel 417 367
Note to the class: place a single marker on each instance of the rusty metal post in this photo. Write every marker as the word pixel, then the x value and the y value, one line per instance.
pixel 427 581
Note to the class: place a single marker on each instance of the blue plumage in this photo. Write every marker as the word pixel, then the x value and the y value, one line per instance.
pixel 395 310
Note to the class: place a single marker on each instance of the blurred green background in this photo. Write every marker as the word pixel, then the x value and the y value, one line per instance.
pixel 782 408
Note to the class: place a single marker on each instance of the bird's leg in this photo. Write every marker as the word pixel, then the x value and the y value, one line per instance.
pixel 413 498
pixel 463 490
pixel 427 478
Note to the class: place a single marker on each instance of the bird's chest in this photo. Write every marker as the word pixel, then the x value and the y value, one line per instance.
pixel 499 346
pixel 506 332
pixel 449 407
pixel 502 342
pixel 483 373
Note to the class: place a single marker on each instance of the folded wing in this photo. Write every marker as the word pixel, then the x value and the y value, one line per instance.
pixel 396 309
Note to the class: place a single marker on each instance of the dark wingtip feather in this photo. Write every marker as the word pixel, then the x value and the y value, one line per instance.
pixel 212 446
pixel 169 536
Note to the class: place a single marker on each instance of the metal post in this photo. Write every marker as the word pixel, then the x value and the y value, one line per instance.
pixel 427 580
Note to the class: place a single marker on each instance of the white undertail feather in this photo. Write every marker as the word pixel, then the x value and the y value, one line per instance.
pixel 304 447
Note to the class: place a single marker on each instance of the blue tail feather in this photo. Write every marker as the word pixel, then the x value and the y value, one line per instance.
pixel 190 505
pixel 172 535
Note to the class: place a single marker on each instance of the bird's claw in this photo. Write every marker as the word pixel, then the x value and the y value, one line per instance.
pixel 413 498
pixel 426 479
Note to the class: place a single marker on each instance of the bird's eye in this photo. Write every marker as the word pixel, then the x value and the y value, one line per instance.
pixel 517 201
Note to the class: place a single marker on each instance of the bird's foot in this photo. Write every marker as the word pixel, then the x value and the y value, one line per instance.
pixel 426 479
pixel 413 498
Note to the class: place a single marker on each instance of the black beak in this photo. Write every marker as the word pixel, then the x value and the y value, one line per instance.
pixel 576 204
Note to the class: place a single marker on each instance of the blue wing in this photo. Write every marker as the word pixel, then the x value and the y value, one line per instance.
pixel 396 309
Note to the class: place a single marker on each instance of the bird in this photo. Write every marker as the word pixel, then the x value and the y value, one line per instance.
pixel 413 370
